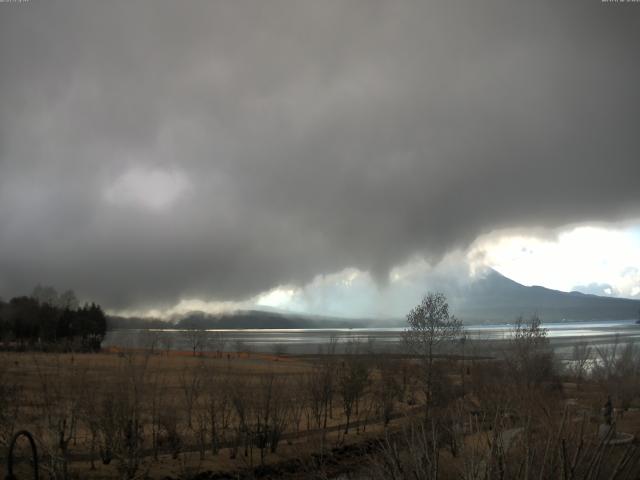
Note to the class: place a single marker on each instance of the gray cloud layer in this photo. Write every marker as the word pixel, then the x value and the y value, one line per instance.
pixel 307 136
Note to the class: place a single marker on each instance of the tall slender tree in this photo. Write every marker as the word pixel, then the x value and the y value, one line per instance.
pixel 430 326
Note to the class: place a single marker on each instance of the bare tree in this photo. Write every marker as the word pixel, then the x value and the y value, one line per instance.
pixel 386 390
pixel 166 340
pixel 299 401
pixel 59 408
pixel 197 340
pixel 239 395
pixel 333 344
pixel 218 342
pixel 617 370
pixel 280 412
pixel 320 388
pixel 529 357
pixel 430 326
pixel 89 413
pixel 128 416
pixel 605 365
pixel 191 386
pixel 353 376
pixel 156 405
pixel 627 373
pixel 152 341
pixel 269 412
pixel 170 431
pixel 45 295
pixel 580 358
pixel 10 400
pixel 68 300
pixel 218 408
pixel 564 449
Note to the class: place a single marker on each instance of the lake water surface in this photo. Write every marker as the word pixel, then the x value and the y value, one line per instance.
pixel 380 339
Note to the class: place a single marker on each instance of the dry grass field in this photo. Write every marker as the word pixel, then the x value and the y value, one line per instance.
pixel 175 415
pixel 127 414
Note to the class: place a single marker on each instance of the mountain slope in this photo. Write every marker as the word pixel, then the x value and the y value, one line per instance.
pixel 497 298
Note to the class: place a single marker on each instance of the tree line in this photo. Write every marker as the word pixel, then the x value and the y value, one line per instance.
pixel 47 320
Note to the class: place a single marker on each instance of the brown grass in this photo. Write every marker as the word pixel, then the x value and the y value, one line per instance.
pixel 88 376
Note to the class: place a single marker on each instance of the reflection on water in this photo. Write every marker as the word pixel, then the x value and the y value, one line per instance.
pixel 298 341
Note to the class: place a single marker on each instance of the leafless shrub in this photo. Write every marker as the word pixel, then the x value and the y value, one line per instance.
pixel 239 395
pixel 166 341
pixel 353 377
pixel 565 448
pixel 217 342
pixel 152 340
pixel 529 356
pixel 10 414
pixel 191 387
pixel 157 403
pixel 170 435
pixel 124 434
pixel 617 370
pixel 413 454
pixel 196 339
pixel 298 401
pixel 271 413
pixel 386 390
pixel 59 408
pixel 320 385
pixel 581 360
pixel 217 408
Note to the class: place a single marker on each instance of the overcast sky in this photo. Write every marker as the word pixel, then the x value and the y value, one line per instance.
pixel 156 154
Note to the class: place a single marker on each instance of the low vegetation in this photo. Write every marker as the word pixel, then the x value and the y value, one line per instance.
pixel 440 410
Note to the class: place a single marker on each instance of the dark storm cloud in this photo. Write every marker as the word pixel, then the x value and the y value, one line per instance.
pixel 287 139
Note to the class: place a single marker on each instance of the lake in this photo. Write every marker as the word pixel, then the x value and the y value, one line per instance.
pixel 483 338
